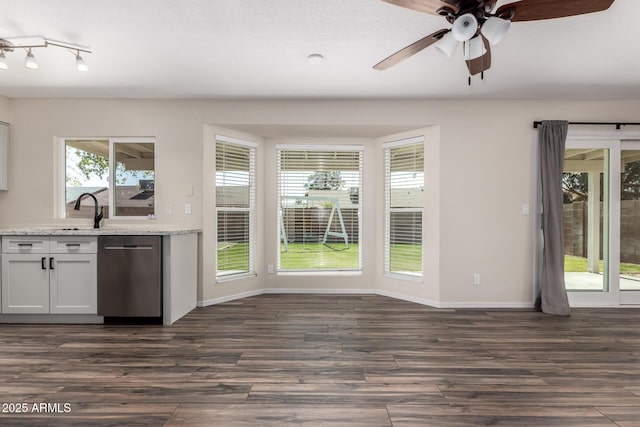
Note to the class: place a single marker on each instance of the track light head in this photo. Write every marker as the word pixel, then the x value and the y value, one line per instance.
pixel 80 64
pixel 30 61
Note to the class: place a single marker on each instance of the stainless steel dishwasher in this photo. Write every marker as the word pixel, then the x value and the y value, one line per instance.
pixel 129 276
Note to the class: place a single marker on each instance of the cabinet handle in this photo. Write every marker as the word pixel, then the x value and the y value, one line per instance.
pixel 73 245
pixel 42 261
pixel 51 265
pixel 25 245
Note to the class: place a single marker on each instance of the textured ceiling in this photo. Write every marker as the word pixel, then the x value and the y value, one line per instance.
pixel 257 49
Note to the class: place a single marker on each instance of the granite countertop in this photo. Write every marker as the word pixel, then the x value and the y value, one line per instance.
pixel 72 230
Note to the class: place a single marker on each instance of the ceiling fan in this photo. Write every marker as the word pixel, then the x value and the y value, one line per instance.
pixel 478 27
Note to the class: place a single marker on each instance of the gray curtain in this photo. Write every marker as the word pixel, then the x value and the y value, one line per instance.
pixel 552 298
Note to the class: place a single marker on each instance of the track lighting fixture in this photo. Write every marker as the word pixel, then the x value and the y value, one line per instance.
pixel 28 43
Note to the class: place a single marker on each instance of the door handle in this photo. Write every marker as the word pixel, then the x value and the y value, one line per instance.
pixel 51 265
pixel 42 262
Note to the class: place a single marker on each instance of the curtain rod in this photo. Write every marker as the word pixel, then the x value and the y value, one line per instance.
pixel 618 125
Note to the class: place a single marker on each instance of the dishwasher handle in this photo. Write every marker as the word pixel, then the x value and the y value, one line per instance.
pixel 126 246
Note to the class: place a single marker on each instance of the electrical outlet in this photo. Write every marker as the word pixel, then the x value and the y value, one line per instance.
pixel 525 209
pixel 270 268
pixel 168 210
pixel 187 209
pixel 476 279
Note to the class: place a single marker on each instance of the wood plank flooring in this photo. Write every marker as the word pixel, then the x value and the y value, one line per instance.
pixel 329 360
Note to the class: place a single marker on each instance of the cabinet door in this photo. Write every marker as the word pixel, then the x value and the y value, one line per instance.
pixel 25 283
pixel 4 141
pixel 74 284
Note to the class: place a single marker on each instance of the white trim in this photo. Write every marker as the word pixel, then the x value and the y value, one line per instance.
pixel 486 305
pixel 336 272
pixel 320 291
pixel 227 298
pixel 313 147
pixel 408 298
pixel 235 276
pixel 402 297
pixel 237 141
pixel 401 142
pixel 404 276
pixel 603 135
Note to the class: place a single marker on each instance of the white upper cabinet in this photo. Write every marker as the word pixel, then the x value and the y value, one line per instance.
pixel 4 143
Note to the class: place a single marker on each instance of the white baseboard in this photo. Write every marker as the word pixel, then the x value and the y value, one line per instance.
pixel 228 298
pixel 487 304
pixel 384 293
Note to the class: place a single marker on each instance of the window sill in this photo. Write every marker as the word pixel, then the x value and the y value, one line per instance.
pixel 232 277
pixel 321 273
pixel 407 277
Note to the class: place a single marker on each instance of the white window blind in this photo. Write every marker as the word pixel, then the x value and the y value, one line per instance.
pixel 320 200
pixel 404 207
pixel 235 208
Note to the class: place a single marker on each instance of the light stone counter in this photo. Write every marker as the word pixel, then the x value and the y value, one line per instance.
pixel 105 231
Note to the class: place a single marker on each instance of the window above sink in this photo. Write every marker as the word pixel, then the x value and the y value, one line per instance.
pixel 119 172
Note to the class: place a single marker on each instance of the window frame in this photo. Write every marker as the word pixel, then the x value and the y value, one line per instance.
pixel 60 184
pixel 253 148
pixel 388 210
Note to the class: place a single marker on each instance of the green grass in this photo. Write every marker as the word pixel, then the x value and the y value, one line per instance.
pixel 316 256
pixel 406 258
pixel 233 257
pixel 578 264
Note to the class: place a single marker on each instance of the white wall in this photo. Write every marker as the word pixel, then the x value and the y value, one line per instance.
pixel 485 156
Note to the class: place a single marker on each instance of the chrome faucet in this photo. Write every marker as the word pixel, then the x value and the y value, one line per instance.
pixel 96 217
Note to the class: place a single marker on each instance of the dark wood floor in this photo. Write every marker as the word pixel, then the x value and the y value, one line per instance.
pixel 318 360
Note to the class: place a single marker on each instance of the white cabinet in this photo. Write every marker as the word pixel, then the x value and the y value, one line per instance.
pixel 4 143
pixel 25 284
pixel 56 275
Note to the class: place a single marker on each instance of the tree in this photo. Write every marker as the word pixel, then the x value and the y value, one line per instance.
pixel 324 180
pixel 93 165
pixel 576 185
pixel 630 183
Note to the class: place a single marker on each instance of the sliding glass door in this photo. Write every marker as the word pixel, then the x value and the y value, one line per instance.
pixel 630 223
pixel 585 183
pixel 601 219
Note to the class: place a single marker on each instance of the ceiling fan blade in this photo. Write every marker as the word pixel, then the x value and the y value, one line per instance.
pixel 534 10
pixel 483 63
pixel 410 50
pixel 427 6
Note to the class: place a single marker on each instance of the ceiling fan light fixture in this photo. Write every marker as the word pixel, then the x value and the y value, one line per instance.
pixel 30 61
pixel 474 48
pixel 494 29
pixel 447 45
pixel 465 27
